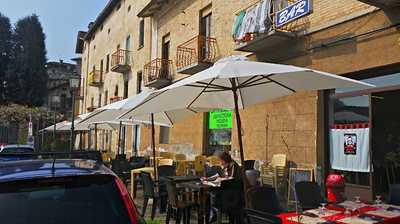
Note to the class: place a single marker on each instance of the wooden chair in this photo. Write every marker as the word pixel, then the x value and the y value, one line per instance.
pixel 180 156
pixel 181 167
pixel 165 162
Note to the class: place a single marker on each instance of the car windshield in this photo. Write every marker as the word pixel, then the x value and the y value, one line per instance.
pixel 17 150
pixel 84 199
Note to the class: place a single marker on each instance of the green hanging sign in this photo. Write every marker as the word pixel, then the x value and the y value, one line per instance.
pixel 221 119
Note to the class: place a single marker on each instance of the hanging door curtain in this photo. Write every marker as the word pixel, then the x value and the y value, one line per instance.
pixel 255 19
pixel 349 147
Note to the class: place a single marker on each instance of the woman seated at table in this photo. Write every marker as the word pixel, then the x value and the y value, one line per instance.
pixel 231 172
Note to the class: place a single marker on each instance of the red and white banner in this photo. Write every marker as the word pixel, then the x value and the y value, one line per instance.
pixel 349 147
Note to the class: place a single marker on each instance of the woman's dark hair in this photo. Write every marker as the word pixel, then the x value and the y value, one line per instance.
pixel 225 157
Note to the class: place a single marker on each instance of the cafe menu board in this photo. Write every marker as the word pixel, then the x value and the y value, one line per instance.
pixel 221 119
pixel 298 175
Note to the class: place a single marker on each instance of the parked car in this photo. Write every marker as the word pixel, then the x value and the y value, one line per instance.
pixel 15 149
pixel 65 191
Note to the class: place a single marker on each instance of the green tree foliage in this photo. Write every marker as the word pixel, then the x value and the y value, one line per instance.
pixel 26 75
pixel 5 50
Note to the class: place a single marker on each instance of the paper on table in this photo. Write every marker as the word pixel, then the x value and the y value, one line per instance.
pixel 384 213
pixel 352 204
pixel 326 212
pixel 306 219
pixel 356 220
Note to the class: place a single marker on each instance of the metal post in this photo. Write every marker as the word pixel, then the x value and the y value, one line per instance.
pixel 95 137
pixel 119 137
pixel 54 131
pixel 73 121
pixel 153 146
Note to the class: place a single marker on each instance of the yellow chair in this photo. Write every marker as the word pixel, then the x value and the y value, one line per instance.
pixel 180 156
pixel 181 167
pixel 165 162
pixel 199 163
pixel 213 161
pixel 167 155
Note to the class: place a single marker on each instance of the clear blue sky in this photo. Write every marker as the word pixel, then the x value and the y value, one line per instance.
pixel 61 21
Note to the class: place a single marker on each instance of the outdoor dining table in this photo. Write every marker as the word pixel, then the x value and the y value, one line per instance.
pixel 134 174
pixel 363 214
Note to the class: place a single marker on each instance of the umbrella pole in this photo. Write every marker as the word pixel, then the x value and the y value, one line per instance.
pixel 119 137
pixel 153 145
pixel 240 140
pixel 95 137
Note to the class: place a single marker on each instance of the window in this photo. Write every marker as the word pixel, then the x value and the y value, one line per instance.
pixel 141 33
pixel 118 7
pixel 139 82
pixel 126 85
pixel 99 103
pixel 101 67
pixel 109 30
pixel 164 135
pixel 219 131
pixel 101 28
pixel 91 102
pixel 106 97
pixel 129 8
pixel 107 63
pixel 116 90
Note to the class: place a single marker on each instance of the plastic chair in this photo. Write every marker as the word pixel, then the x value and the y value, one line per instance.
pixel 252 177
pixel 167 155
pixel 258 217
pixel 264 199
pixel 231 201
pixel 394 194
pixel 213 161
pixel 199 164
pixel 308 194
pixel 150 192
pixel 181 167
pixel 180 157
pixel 275 173
pixel 249 164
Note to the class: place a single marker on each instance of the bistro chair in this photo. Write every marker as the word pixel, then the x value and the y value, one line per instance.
pixel 274 174
pixel 165 162
pixel 179 202
pixel 264 199
pixel 180 156
pixel 181 167
pixel 394 194
pixel 213 161
pixel 231 201
pixel 163 173
pixel 258 217
pixel 308 194
pixel 249 164
pixel 137 162
pixel 149 191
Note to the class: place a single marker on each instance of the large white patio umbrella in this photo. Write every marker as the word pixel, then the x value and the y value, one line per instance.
pixel 236 83
pixel 108 115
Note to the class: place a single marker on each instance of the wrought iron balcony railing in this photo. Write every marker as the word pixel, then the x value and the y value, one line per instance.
pixel 95 78
pixel 121 61
pixel 158 73
pixel 196 54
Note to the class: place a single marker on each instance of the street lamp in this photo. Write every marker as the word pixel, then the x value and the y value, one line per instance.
pixel 73 84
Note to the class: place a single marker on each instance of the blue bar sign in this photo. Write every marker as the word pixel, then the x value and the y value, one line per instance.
pixel 292 12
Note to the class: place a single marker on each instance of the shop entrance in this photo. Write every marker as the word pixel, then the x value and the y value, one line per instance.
pixel 385 139
pixel 366 124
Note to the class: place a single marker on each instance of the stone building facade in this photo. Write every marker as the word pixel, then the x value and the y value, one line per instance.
pixel 340 37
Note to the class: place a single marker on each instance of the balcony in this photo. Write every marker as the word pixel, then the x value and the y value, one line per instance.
pixel 95 78
pixel 121 61
pixel 91 109
pixel 196 54
pixel 158 73
pixel 270 33
pixel 116 99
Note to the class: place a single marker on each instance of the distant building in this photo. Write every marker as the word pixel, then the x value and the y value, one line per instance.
pixel 59 74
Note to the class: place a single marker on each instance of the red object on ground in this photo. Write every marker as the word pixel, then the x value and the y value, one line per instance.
pixel 335 188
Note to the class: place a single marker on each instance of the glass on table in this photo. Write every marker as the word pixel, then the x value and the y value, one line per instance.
pixel 357 199
pixel 378 201
pixel 322 209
